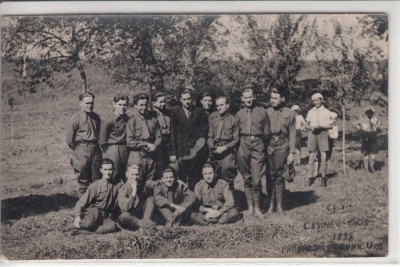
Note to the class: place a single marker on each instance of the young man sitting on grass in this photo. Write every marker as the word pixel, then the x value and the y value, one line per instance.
pixel 175 201
pixel 135 199
pixel 216 199
pixel 96 209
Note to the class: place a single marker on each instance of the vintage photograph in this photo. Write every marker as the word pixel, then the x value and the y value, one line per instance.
pixel 194 136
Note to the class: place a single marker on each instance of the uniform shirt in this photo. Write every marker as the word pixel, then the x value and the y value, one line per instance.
pixel 113 130
pixel 300 123
pixel 142 129
pixel 83 127
pixel 101 194
pixel 127 202
pixel 215 195
pixel 164 120
pixel 229 133
pixel 178 194
pixel 283 122
pixel 319 116
pixel 259 121
pixel 370 125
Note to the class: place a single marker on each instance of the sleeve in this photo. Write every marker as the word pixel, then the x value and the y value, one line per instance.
pixel 229 202
pixel 308 117
pixel 130 135
pixel 72 128
pixel 159 199
pixel 267 126
pixel 85 200
pixel 210 139
pixel 158 136
pixel 173 132
pixel 235 134
pixel 302 123
pixel 292 132
pixel 189 198
pixel 104 134
pixel 197 192
pixel 125 199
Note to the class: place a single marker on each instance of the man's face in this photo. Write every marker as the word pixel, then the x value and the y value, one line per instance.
pixel 120 107
pixel 106 171
pixel 276 99
pixel 248 98
pixel 221 105
pixel 168 179
pixel 186 100
pixel 132 175
pixel 160 103
pixel 87 104
pixel 141 106
pixel 208 175
pixel 317 102
pixel 206 102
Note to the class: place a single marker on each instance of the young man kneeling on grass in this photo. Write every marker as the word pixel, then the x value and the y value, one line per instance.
pixel 216 200
pixel 135 199
pixel 175 201
pixel 96 209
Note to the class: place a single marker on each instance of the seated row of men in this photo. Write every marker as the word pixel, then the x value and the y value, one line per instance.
pixel 136 202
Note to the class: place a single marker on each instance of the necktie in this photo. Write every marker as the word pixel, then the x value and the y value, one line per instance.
pixel 189 113
pixel 145 129
pixel 248 122
pixel 91 128
pixel 219 129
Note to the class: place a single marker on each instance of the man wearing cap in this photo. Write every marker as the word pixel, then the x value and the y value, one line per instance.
pixel 370 147
pixel 300 127
pixel 254 129
pixel 281 147
pixel 318 122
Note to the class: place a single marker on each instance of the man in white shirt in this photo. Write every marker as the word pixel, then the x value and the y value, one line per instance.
pixel 318 122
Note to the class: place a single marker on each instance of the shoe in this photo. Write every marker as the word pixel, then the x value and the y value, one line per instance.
pixel 270 210
pixel 250 211
pixel 310 181
pixel 279 210
pixel 324 181
pixel 258 214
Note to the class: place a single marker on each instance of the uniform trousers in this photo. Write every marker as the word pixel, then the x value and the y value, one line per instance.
pixel 119 155
pixel 97 221
pixel 130 220
pixel 226 166
pixel 146 161
pixel 86 161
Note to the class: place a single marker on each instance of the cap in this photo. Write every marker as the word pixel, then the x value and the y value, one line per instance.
pixel 317 96
pixel 295 107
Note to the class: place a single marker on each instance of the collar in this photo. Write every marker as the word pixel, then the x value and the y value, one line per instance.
pixel 212 185
pixel 320 108
pixel 279 107
pixel 120 117
pixel 137 113
pixel 84 113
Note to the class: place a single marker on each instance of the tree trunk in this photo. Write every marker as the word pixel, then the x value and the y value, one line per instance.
pixel 24 66
pixel 83 76
pixel 12 127
pixel 344 138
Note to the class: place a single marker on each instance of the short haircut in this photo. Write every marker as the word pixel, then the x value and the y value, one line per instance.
pixel 209 165
pixel 119 97
pixel 86 94
pixel 107 161
pixel 283 92
pixel 138 97
pixel 227 100
pixel 133 166
pixel 248 89
pixel 185 91
pixel 168 169
pixel 155 96
pixel 204 94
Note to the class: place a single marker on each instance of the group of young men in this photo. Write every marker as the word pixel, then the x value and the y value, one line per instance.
pixel 178 167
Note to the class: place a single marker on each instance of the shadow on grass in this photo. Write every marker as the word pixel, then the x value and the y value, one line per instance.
pixel 299 198
pixel 16 208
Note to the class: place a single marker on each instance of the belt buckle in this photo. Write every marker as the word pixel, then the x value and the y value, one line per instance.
pixel 252 137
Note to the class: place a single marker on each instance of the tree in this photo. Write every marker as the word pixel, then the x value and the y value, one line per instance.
pixel 54 44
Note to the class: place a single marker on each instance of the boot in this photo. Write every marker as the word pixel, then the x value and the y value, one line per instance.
pixel 272 201
pixel 249 197
pixel 371 164
pixel 324 167
pixel 280 189
pixel 257 210
pixel 366 164
pixel 310 173
pixel 197 218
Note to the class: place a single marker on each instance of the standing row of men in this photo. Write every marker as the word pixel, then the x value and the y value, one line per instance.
pixel 261 143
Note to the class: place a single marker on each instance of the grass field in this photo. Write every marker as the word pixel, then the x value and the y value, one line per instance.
pixel 348 218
